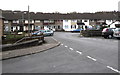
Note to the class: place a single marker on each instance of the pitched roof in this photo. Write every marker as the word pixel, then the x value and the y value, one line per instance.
pixel 14 15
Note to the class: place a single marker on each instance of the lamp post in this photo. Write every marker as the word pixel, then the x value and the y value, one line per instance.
pixel 28 21
pixel 23 21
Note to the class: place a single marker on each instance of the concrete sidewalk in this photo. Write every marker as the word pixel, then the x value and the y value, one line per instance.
pixel 50 43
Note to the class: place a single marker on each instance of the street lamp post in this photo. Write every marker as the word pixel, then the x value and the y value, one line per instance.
pixel 28 21
pixel 23 21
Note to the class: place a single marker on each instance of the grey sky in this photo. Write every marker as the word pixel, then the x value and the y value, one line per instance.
pixel 62 6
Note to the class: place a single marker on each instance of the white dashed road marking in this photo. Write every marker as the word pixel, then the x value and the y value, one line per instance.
pixel 71 48
pixel 91 58
pixel 66 46
pixel 54 39
pixel 79 52
pixel 113 69
pixel 62 44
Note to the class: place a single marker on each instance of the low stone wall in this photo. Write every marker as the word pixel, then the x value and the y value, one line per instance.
pixel 20 45
pixel 24 42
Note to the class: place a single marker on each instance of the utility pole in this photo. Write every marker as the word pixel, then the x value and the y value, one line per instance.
pixel 23 21
pixel 28 22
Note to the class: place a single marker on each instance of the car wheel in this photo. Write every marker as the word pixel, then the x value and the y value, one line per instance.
pixel 109 36
pixel 105 37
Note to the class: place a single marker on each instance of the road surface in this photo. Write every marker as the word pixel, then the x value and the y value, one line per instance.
pixel 76 54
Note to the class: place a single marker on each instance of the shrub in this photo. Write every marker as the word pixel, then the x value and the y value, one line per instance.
pixel 90 33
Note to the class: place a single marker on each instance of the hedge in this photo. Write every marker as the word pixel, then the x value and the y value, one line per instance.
pixel 90 33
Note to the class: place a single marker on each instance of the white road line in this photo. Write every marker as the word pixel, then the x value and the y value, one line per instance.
pixel 62 44
pixel 113 69
pixel 91 58
pixel 79 52
pixel 54 39
pixel 71 49
pixel 66 46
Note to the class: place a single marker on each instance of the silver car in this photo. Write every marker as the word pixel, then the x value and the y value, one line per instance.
pixel 48 33
pixel 116 33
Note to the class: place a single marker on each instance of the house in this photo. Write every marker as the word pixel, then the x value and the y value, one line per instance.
pixel 20 21
pixel 48 21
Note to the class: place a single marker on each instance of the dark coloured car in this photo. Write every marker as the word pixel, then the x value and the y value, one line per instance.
pixel 39 32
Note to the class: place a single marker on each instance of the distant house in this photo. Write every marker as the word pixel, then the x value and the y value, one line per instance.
pixel 75 24
pixel 18 20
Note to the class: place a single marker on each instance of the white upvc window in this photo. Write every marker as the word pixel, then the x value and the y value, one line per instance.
pixel 48 21
pixel 37 21
pixel 51 21
pixel 32 21
pixel 5 21
pixel 26 21
pixel 14 21
pixel 17 21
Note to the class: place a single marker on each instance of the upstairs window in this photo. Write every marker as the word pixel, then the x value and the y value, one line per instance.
pixel 5 21
pixel 37 21
pixel 15 21
pixel 85 21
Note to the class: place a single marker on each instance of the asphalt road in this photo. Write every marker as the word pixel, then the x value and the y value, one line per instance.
pixel 75 55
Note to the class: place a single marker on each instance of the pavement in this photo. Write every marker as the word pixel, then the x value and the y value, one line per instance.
pixel 50 42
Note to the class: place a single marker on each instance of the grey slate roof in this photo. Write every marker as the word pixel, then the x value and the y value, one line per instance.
pixel 14 15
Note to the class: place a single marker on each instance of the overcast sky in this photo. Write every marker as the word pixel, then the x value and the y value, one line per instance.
pixel 62 6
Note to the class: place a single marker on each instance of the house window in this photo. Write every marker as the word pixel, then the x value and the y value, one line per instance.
pixel 26 21
pixel 48 21
pixel 66 26
pixel 58 27
pixel 73 26
pixel 54 27
pixel 37 21
pixel 85 20
pixel 17 21
pixel 14 22
pixel 11 28
pixel 79 20
pixel 5 21
pixel 32 21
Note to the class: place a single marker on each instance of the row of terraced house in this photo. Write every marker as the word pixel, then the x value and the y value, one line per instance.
pixel 11 21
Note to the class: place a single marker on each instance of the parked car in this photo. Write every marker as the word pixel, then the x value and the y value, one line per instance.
pixel 116 33
pixel 108 32
pixel 39 32
pixel 48 32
